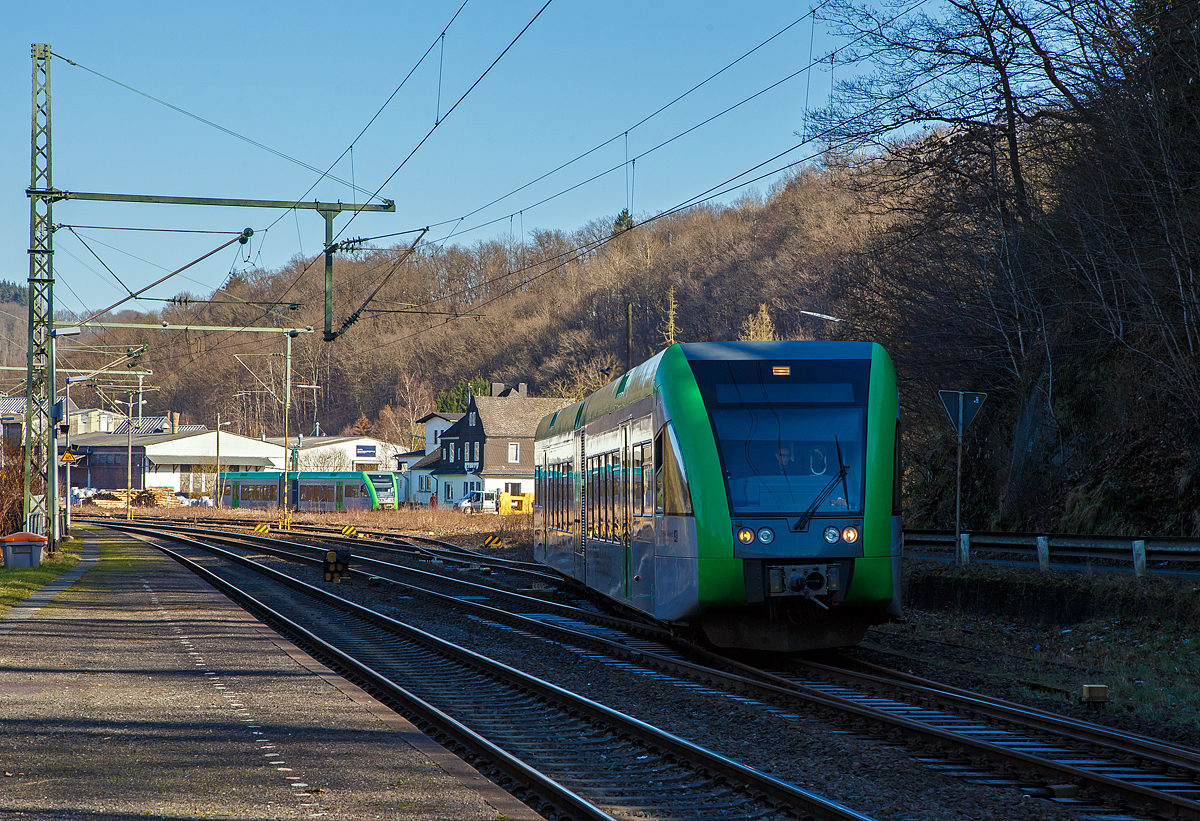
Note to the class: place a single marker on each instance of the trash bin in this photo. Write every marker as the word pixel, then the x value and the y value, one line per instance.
pixel 23 549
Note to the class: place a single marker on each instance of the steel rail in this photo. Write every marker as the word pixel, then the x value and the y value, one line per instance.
pixel 1152 749
pixel 704 760
pixel 416 706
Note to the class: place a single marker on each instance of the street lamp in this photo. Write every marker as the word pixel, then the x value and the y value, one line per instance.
pixel 316 424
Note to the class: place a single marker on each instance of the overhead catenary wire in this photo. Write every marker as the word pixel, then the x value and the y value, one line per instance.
pixel 806 69
pixel 729 185
pixel 558 261
pixel 200 119
pixel 428 134
pixel 640 122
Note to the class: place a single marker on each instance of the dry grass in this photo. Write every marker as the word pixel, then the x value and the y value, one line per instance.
pixel 438 523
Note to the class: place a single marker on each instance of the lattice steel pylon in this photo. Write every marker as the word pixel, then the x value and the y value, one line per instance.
pixel 40 448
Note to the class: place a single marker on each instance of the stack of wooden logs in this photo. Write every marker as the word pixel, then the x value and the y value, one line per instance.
pixel 148 497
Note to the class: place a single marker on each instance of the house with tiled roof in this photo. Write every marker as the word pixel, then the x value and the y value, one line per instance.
pixel 491 446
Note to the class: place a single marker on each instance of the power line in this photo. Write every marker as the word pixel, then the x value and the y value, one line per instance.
pixel 807 68
pixel 201 119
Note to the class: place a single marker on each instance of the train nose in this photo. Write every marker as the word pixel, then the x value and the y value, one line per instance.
pixel 811 579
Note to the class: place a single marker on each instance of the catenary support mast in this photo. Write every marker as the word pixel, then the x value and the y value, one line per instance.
pixel 40 449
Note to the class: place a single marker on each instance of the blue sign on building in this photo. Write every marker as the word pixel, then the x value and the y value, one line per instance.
pixel 364 451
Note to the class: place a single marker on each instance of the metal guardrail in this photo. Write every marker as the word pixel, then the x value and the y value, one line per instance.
pixel 1060 546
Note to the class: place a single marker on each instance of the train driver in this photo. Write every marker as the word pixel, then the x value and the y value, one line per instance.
pixel 785 457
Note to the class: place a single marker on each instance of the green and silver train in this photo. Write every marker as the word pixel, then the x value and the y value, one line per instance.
pixel 320 491
pixel 748 491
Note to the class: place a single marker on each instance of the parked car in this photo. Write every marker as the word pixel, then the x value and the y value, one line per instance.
pixel 478 501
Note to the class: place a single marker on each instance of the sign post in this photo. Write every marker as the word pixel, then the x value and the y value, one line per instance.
pixel 961 408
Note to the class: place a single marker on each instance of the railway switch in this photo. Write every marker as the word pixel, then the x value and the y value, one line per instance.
pixel 337 564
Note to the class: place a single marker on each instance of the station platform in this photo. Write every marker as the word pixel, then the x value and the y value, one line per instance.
pixel 129 688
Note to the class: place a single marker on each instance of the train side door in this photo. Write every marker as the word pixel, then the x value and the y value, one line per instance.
pixel 622 487
pixel 235 496
pixel 585 492
pixel 541 507
pixel 340 496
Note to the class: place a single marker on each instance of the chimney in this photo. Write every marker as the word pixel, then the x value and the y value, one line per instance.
pixel 497 388
pixel 523 390
pixel 174 419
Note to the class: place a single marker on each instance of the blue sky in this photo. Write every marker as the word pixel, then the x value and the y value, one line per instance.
pixel 304 78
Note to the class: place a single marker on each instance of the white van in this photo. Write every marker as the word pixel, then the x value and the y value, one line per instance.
pixel 478 501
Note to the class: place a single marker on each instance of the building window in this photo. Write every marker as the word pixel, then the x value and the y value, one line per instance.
pixel 444 457
pixel 513 487
pixel 514 451
pixel 449 491
pixel 471 421
pixel 437 436
pixel 476 451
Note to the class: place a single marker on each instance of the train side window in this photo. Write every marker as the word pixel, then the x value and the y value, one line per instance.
pixel 636 492
pixel 676 495
pixel 618 496
pixel 648 478
pixel 590 493
pixel 658 474
pixel 608 495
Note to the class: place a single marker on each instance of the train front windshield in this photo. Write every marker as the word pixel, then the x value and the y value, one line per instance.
pixel 789 434
pixel 385 488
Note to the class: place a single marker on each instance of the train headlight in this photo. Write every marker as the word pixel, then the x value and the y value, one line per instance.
pixel 766 535
pixel 850 534
pixel 745 535
pixel 832 534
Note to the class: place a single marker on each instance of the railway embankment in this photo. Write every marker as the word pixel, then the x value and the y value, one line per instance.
pixel 1058 598
pixel 1037 638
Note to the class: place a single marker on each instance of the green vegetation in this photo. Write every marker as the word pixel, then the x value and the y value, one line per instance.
pixel 18 583
pixel 12 292
pixel 456 399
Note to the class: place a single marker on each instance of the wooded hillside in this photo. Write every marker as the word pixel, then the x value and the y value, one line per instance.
pixel 1009 205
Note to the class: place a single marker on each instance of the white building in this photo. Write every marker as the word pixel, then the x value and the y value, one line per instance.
pixel 336 453
pixel 184 462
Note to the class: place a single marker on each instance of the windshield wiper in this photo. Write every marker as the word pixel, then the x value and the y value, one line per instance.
pixel 843 468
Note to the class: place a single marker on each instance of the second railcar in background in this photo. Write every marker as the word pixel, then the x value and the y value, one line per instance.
pixel 321 491
pixel 745 490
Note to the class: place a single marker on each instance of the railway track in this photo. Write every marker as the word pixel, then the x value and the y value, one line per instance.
pixel 954 731
pixel 565 753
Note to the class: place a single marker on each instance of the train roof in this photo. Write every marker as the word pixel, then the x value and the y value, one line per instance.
pixel 639 382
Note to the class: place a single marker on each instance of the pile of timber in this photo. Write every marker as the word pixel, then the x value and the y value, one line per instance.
pixel 148 497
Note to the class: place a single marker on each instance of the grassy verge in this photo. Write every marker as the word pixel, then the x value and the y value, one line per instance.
pixel 18 583
pixel 1064 630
